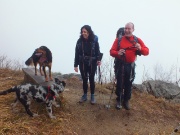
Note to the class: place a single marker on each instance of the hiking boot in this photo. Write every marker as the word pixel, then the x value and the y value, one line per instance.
pixel 83 98
pixel 118 105
pixel 93 101
pixel 126 105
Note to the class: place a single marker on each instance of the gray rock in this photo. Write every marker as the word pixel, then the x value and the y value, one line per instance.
pixel 177 98
pixel 140 87
pixel 70 75
pixel 160 89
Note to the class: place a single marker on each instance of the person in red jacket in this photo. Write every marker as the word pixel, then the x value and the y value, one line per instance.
pixel 126 53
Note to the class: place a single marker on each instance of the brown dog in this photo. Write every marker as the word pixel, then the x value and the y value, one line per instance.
pixel 43 57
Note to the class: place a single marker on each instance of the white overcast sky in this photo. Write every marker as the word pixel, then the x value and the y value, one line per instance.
pixel 27 24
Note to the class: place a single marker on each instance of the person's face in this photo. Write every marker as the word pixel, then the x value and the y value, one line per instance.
pixel 85 33
pixel 128 30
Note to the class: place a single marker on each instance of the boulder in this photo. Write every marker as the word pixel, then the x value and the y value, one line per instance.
pixel 160 89
pixel 70 75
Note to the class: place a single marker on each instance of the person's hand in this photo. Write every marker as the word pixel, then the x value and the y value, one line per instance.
pixel 138 46
pixel 99 63
pixel 76 69
pixel 121 52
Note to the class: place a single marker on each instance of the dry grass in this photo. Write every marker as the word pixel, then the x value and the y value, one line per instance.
pixel 20 122
pixel 148 116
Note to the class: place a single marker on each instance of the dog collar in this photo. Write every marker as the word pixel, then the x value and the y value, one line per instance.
pixel 49 94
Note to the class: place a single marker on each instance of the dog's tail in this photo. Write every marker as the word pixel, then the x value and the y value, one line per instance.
pixel 5 92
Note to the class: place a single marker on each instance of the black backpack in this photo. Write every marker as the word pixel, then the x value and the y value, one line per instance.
pixel 119 35
pixel 96 40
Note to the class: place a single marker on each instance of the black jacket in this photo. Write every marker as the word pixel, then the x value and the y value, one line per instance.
pixel 86 48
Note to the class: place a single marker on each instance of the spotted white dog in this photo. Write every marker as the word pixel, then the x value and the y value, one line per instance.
pixel 25 93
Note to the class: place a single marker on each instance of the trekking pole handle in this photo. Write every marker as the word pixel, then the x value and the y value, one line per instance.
pixel 121 52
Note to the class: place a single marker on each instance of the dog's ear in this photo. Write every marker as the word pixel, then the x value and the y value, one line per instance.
pixel 63 83
pixel 29 61
pixel 57 80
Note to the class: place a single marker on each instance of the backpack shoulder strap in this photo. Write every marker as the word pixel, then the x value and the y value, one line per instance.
pixel 135 39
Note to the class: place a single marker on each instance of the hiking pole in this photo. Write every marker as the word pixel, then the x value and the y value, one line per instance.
pixel 122 82
pixel 108 105
pixel 100 76
pixel 99 79
pixel 100 82
pixel 121 92
pixel 120 73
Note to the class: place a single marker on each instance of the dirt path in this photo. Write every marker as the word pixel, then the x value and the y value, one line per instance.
pixel 147 115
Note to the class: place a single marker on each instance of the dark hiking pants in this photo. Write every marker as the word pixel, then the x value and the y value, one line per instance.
pixel 88 72
pixel 125 76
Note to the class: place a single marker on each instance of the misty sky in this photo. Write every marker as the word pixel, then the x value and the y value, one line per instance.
pixel 27 24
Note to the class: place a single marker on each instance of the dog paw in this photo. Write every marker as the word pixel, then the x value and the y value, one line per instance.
pixel 57 106
pixel 52 117
pixel 46 79
pixel 35 115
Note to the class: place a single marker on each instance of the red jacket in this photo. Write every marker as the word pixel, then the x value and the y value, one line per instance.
pixel 131 52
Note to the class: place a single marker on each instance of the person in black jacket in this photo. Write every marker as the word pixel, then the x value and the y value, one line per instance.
pixel 87 56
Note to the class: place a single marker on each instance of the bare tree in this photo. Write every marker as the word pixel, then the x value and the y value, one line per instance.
pixel 167 75
pixel 5 62
pixel 107 70
pixel 146 75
